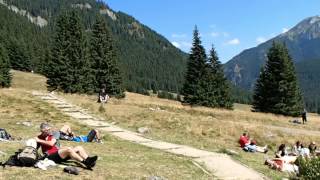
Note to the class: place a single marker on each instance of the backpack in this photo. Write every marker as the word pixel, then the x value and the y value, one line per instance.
pixel 4 134
pixel 24 157
pixel 28 156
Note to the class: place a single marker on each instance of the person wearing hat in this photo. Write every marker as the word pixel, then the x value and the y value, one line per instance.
pixel 49 143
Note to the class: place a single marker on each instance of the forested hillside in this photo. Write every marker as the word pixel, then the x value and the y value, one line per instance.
pixel 147 60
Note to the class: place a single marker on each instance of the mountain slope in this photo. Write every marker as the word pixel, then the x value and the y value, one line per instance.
pixel 147 59
pixel 303 42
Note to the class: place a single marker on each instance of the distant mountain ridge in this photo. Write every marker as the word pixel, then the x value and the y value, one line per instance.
pixel 303 42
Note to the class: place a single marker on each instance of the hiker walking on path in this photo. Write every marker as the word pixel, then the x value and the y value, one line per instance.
pixel 49 143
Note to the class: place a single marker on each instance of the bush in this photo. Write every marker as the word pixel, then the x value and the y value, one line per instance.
pixel 309 168
pixel 166 95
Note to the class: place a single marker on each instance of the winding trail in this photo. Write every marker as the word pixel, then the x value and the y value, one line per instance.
pixel 220 165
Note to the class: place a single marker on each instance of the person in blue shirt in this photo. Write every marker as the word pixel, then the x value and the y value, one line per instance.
pixel 67 134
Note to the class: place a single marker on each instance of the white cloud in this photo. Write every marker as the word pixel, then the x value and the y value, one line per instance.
pixel 176 44
pixel 182 45
pixel 178 35
pixel 234 41
pixel 261 39
pixel 284 30
pixel 214 34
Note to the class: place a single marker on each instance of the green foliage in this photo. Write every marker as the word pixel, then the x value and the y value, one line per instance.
pixel 166 95
pixel 205 83
pixel 146 59
pixel 195 71
pixel 5 76
pixel 69 68
pixel 240 95
pixel 104 59
pixel 309 168
pixel 217 89
pixel 24 41
pixel 277 89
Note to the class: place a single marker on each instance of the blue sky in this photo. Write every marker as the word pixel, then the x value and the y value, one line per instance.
pixel 230 25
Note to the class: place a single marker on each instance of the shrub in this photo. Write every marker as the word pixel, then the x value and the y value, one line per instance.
pixel 309 168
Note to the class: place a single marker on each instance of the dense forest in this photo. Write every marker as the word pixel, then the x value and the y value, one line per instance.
pixel 147 60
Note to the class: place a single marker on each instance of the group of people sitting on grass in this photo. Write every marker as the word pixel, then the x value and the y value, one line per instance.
pixel 48 141
pixel 284 157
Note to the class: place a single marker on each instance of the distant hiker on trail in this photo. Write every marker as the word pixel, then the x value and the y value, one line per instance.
pixel 49 143
pixel 250 145
pixel 103 96
pixel 304 116
pixel 67 134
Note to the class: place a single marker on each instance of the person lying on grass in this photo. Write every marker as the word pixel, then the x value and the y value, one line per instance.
pixel 67 134
pixel 49 143
pixel 250 145
pixel 283 160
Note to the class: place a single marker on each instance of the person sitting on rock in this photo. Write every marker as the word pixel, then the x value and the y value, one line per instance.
pixel 67 134
pixel 49 143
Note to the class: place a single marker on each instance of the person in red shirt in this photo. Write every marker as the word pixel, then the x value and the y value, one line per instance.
pixel 244 140
pixel 49 143
pixel 251 145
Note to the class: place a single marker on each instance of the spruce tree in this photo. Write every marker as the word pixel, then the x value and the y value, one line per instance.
pixel 18 55
pixel 104 58
pixel 77 54
pixel 277 90
pixel 56 70
pixel 69 67
pixel 5 76
pixel 216 89
pixel 195 71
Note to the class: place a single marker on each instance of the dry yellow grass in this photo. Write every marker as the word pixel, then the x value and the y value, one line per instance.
pixel 28 81
pixel 118 159
pixel 207 128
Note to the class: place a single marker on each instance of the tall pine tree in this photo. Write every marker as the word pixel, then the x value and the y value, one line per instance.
pixel 216 89
pixel 18 55
pixel 195 71
pixel 69 67
pixel 104 58
pixel 277 90
pixel 5 76
pixel 56 71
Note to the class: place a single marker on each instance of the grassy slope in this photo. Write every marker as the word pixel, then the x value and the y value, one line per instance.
pixel 211 129
pixel 119 159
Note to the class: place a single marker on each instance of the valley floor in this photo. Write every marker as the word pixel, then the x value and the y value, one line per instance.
pixel 204 128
